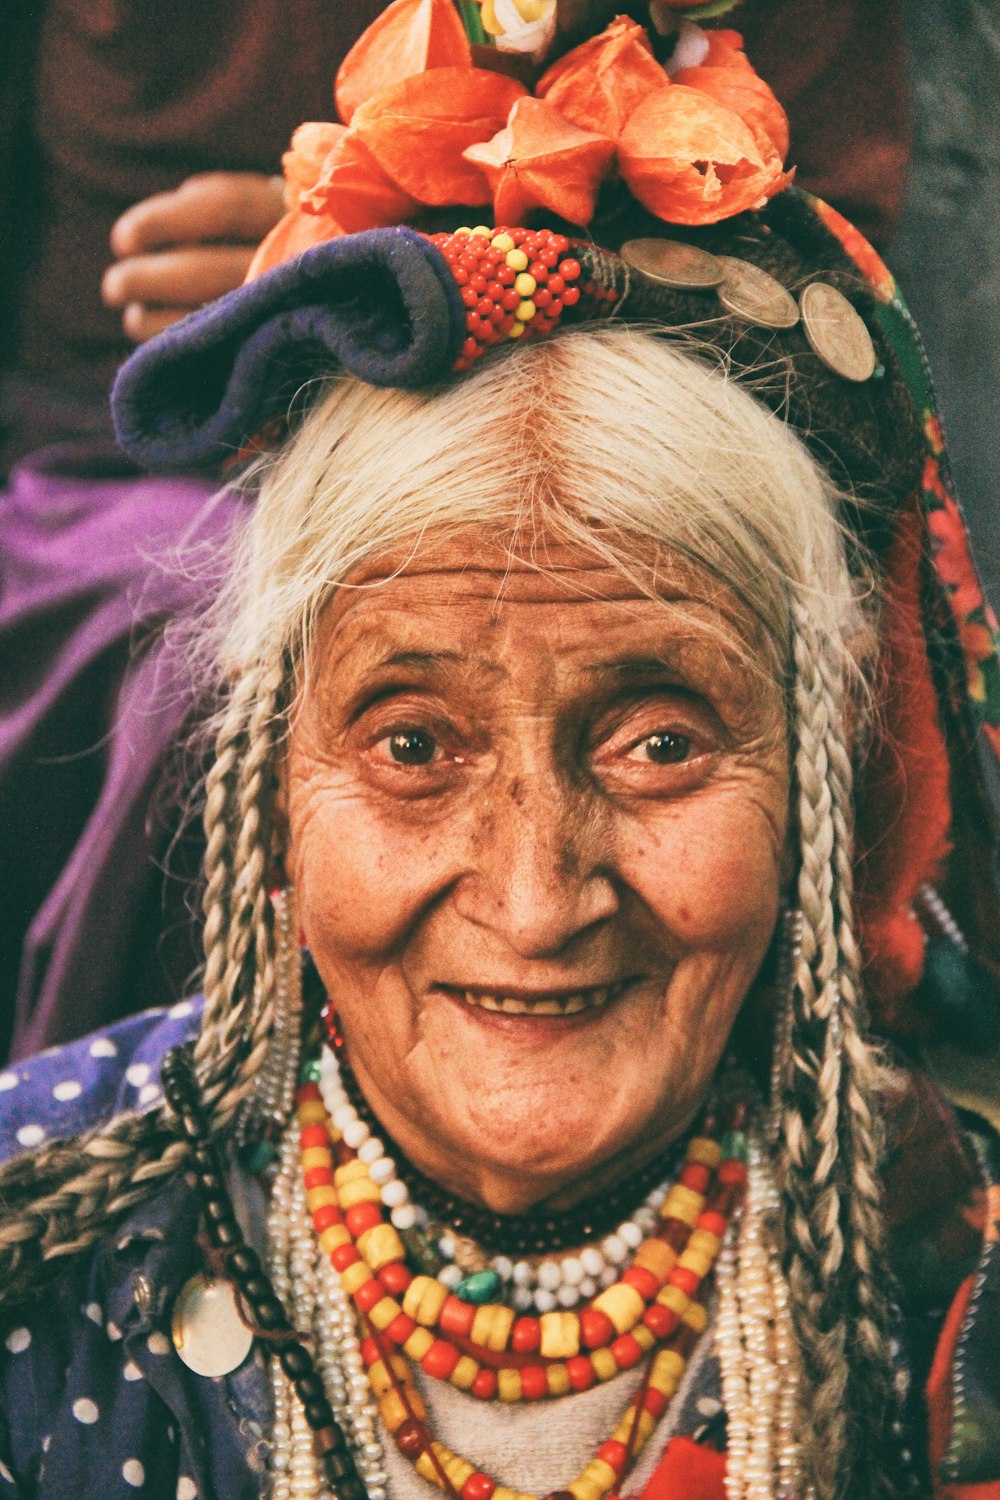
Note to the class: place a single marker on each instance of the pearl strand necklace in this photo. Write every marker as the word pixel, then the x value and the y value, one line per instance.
pixel 758 1355
pixel 295 1473
pixel 308 1285
pixel 541 1286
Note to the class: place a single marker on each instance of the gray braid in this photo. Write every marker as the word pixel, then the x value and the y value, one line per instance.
pixel 862 1083
pixel 829 1144
pixel 239 938
pixel 60 1199
pixel 808 1170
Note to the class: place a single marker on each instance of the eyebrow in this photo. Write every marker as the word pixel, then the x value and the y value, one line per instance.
pixel 411 660
pixel 636 670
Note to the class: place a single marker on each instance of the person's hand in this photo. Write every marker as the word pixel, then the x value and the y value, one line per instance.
pixel 178 250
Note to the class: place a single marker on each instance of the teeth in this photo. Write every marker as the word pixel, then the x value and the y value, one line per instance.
pixel 568 1005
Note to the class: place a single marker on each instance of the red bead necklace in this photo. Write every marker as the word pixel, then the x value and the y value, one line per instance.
pixel 654 1309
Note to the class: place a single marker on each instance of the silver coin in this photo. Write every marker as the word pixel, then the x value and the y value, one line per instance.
pixel 208 1332
pixel 671 263
pixel 751 294
pixel 837 332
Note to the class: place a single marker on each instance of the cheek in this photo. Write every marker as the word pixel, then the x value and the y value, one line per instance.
pixel 709 869
pixel 361 876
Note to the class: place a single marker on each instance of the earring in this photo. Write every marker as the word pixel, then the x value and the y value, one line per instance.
pixel 269 1106
pixel 789 952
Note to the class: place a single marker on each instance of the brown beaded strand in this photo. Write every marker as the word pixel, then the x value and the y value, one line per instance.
pixel 254 1286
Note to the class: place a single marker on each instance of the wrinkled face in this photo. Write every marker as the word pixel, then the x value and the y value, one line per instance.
pixel 536 823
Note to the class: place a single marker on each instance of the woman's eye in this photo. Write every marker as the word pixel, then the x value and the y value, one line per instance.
pixel 412 747
pixel 664 748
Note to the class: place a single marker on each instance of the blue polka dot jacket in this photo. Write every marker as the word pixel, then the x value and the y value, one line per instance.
pixel 93 1396
pixel 93 1399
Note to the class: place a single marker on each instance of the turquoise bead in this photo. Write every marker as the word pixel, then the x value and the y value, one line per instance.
pixel 734 1146
pixel 258 1156
pixel 310 1071
pixel 479 1288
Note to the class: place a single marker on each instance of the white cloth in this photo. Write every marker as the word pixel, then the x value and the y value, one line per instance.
pixel 540 1446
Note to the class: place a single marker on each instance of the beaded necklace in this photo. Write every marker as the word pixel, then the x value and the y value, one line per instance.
pixel 653 1309
pixel 324 1441
pixel 539 1232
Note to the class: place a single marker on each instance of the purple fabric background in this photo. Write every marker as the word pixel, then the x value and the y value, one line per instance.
pixel 90 704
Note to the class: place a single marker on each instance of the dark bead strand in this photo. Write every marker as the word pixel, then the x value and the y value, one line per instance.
pixel 254 1285
pixel 528 1234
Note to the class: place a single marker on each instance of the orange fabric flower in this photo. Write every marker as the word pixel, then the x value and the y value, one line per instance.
pixel 540 160
pixel 600 83
pixel 411 36
pixel 691 160
pixel 303 162
pixel 354 190
pixel 418 129
pixel 425 127
pixel 351 192
pixel 727 76
pixel 295 232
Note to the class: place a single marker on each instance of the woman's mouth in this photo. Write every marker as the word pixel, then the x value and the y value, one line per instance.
pixel 539 1003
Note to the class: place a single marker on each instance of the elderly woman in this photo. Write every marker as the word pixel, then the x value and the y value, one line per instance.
pixel 552 1167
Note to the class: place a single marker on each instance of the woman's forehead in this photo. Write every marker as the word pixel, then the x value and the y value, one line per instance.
pixel 475 598
pixel 476 564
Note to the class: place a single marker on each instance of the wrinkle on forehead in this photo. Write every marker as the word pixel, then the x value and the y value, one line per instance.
pixel 538 567
pixel 391 605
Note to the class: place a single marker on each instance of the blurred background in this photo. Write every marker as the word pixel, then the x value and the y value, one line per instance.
pixel 946 247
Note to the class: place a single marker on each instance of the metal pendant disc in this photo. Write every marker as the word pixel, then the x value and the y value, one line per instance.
pixel 751 294
pixel 837 332
pixel 671 263
pixel 208 1332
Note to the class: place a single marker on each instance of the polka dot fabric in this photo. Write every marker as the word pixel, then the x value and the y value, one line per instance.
pixel 93 1398
pixel 72 1088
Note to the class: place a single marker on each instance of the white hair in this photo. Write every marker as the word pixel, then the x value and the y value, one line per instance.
pixel 600 436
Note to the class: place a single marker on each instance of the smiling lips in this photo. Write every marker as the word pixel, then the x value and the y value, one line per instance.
pixel 544 1003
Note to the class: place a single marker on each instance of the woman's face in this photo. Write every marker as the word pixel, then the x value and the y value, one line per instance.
pixel 537 826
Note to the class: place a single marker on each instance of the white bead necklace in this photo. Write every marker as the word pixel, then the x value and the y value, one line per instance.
pixel 310 1290
pixel 543 1284
pixel 538 1285
pixel 758 1355
pixel 755 1341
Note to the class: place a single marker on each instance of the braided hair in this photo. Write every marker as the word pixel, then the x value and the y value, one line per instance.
pixel 358 464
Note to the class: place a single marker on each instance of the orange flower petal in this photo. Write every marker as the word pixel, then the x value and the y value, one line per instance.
pixel 739 88
pixel 295 232
pixel 409 37
pixel 540 160
pixel 690 160
pixel 355 191
pixel 721 45
pixel 418 129
pixel 600 83
pixel 303 162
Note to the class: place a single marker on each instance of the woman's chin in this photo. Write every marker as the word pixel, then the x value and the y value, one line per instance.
pixel 529 1116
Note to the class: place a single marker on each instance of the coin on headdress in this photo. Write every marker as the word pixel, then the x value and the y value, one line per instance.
pixel 836 332
pixel 671 263
pixel 751 294
pixel 208 1331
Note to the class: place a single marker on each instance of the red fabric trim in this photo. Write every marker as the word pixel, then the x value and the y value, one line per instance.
pixel 939 1392
pixel 988 1491
pixel 687 1471
pixel 904 803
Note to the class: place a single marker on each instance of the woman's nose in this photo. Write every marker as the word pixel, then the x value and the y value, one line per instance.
pixel 541 870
